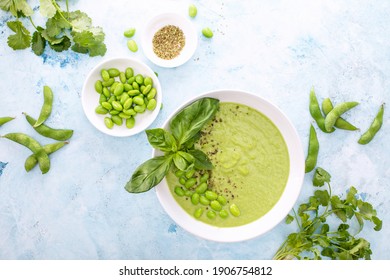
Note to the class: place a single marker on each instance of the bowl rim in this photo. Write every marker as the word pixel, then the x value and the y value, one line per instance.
pixel 147 118
pixel 175 19
pixel 273 217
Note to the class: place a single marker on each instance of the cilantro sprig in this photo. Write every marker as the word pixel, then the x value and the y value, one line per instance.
pixel 63 29
pixel 317 237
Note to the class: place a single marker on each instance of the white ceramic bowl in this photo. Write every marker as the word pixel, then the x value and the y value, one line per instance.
pixel 90 98
pixel 282 207
pixel 159 21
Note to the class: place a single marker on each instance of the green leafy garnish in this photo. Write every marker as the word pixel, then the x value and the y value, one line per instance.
pixel 21 39
pixel 315 238
pixel 177 146
pixel 16 7
pixel 38 43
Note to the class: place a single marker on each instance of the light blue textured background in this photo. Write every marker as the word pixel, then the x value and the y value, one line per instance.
pixel 276 49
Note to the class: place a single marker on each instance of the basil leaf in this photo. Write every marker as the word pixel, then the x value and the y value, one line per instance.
pixel 149 174
pixel 202 162
pixel 183 160
pixel 161 139
pixel 189 121
pixel 190 143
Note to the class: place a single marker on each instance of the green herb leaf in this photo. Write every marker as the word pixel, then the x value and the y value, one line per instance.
pixel 38 43
pixel 20 40
pixel 289 219
pixel 183 161
pixel 56 25
pixel 80 21
pixel 89 41
pixel 61 46
pixel 189 121
pixel 322 196
pixel 320 177
pixel 149 174
pixel 161 139
pixel 202 162
pixel 47 8
pixel 16 7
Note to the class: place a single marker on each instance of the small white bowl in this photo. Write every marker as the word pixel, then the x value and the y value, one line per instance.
pixel 90 98
pixel 159 21
pixel 284 204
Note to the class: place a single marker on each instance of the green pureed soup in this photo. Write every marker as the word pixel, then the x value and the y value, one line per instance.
pixel 251 165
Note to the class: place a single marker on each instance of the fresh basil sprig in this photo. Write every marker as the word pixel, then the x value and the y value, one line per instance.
pixel 177 145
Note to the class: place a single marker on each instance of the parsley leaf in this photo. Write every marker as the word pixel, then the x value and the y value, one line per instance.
pixel 20 40
pixel 47 8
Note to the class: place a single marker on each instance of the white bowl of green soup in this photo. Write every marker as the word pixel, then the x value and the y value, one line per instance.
pixel 257 170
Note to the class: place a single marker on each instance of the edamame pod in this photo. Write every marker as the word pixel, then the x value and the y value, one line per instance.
pixel 32 160
pixel 44 130
pixel 312 153
pixel 315 111
pixel 336 112
pixel 340 123
pixel 374 127
pixel 46 107
pixel 4 120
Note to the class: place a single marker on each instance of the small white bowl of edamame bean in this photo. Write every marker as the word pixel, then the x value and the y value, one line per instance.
pixel 121 96
pixel 169 40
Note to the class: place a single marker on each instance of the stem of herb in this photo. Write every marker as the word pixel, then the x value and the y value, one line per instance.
pixel 58 8
pixel 33 23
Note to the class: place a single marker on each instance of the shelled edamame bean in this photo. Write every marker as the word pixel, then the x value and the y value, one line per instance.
pixel 123 95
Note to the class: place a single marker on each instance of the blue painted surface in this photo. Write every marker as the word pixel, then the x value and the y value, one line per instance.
pixel 276 49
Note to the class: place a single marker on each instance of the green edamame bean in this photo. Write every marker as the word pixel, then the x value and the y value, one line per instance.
pixel 34 146
pixel 190 183
pixel 122 77
pixel 117 106
pixel 44 130
pixel 113 72
pixel 129 72
pixel 118 89
pixel 147 89
pixel 224 214
pixel 114 112
pixel 182 180
pixel 198 213
pixel 127 87
pixel 130 112
pixel 131 80
pixel 4 120
pixel 374 127
pixel 234 210
pixel 312 151
pixel 215 205
pixel 130 122
pixel 211 214
pixel 148 81
pixel 204 177
pixel 179 173
pixel 207 32
pixel 101 110
pixel 107 105
pixel 98 86
pixel 108 122
pixel 340 123
pixel 129 32
pixel 135 85
pixel 203 200
pixel 315 111
pixel 140 108
pixel 139 79
pixel 105 75
pixel 192 10
pixel 134 92
pixel 190 173
pixel 188 193
pixel 106 92
pixel 179 191
pixel 124 98
pixel 222 200
pixel 117 120
pixel 152 93
pixel 124 116
pixel 46 107
pixel 132 45
pixel 32 160
pixel 211 195
pixel 152 103
pixel 102 99
pixel 202 188
pixel 138 100
pixel 108 83
pixel 195 199
pixel 336 112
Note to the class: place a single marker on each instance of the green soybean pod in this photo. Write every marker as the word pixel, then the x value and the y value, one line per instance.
pixel 98 86
pixel 46 107
pixel 44 130
pixel 203 200
pixel 4 120
pixel 132 45
pixel 224 214
pixel 190 183
pixel 108 122
pixel 207 32
pixel 312 151
pixel 340 123
pixel 202 188
pixel 32 160
pixel 101 110
pixel 129 32
pixel 198 213
pixel 211 195
pixel 192 10
pixel 130 122
pixel 195 199
pixel 117 120
pixel 129 72
pixel 151 104
pixel 315 111
pixel 114 72
pixel 105 75
pixel 374 127
pixel 234 210
pixel 336 112
pixel 34 146
pixel 179 191
pixel 211 214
